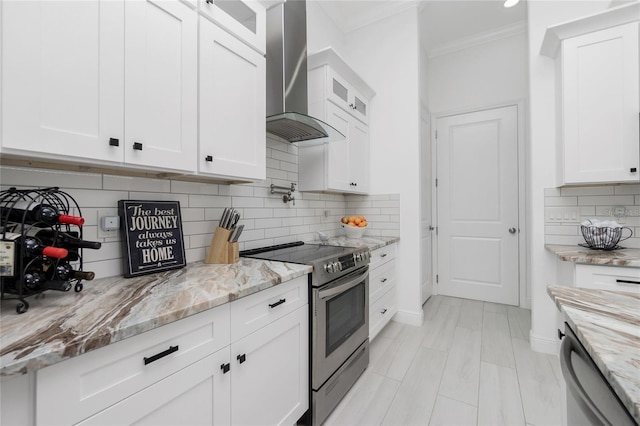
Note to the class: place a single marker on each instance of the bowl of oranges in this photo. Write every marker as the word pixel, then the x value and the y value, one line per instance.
pixel 354 226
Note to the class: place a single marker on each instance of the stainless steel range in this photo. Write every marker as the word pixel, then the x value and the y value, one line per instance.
pixel 339 317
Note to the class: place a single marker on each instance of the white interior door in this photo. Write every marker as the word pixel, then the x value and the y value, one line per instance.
pixel 426 222
pixel 477 160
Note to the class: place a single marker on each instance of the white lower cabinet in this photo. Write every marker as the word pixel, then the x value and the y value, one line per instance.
pixel 608 278
pixel 200 370
pixel 382 288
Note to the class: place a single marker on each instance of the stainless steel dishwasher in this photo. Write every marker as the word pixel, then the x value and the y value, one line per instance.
pixel 590 398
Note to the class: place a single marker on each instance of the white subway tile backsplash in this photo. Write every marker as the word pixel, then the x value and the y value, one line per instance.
pixel 594 202
pixel 266 218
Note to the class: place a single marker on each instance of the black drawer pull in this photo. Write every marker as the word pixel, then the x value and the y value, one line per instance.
pixel 384 311
pixel 137 146
pixel 162 354
pixel 208 158
pixel 560 334
pixel 628 281
pixel 225 368
pixel 384 280
pixel 383 255
pixel 279 302
pixel 241 358
pixel 114 142
pixel 633 169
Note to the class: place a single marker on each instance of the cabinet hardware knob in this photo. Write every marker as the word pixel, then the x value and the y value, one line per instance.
pixel 114 142
pixel 241 358
pixel 225 368
pixel 383 255
pixel 633 169
pixel 279 302
pixel 384 280
pixel 384 311
pixel 208 158
pixel 162 354
pixel 210 1
pixel 137 146
pixel 560 334
pixel 512 230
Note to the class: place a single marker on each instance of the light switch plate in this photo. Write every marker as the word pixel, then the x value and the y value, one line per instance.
pixel 565 214
pixel 108 223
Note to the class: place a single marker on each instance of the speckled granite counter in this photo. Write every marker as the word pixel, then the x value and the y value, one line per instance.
pixel 608 326
pixel 371 242
pixel 625 257
pixel 63 325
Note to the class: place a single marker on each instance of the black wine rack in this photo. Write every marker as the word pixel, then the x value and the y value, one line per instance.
pixel 12 271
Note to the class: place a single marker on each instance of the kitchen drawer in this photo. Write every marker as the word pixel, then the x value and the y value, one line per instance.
pixel 77 388
pixel 381 312
pixel 381 279
pixel 253 312
pixel 608 278
pixel 382 255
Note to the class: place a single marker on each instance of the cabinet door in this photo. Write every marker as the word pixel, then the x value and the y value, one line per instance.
pixel 600 96
pixel 246 19
pixel 161 84
pixel 338 151
pixel 197 395
pixel 232 106
pixel 270 385
pixel 62 78
pixel 358 157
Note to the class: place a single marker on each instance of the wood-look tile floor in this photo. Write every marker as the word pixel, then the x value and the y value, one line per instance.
pixel 469 364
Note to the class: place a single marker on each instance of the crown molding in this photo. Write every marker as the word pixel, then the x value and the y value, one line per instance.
pixel 510 30
pixel 366 16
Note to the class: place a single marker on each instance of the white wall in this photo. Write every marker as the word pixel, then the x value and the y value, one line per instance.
pixel 487 74
pixel 541 159
pixel 321 30
pixel 386 55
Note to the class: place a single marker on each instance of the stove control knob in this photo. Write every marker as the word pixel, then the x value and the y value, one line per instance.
pixel 328 267
pixel 358 257
pixel 337 266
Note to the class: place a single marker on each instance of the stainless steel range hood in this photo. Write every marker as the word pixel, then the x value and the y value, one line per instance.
pixel 287 115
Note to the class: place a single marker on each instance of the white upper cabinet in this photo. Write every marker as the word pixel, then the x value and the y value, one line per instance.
pixel 232 112
pixel 161 89
pixel 110 81
pixel 245 19
pixel 340 97
pixel 598 97
pixel 63 78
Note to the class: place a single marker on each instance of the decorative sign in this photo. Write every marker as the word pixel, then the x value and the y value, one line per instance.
pixel 151 236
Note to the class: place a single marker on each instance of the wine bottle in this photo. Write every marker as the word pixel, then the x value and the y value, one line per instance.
pixel 33 279
pixel 64 271
pixel 52 237
pixel 32 246
pixel 34 213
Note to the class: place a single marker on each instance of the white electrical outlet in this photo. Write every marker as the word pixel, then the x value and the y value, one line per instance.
pixel 108 223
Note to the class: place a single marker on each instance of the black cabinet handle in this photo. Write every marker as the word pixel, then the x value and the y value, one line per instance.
pixel 208 158
pixel 114 142
pixel 162 354
pixel 210 1
pixel 384 311
pixel 241 358
pixel 225 368
pixel 137 146
pixel 384 280
pixel 560 334
pixel 633 169
pixel 383 255
pixel 628 281
pixel 279 302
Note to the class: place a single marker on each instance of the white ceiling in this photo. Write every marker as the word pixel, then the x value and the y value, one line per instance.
pixel 442 22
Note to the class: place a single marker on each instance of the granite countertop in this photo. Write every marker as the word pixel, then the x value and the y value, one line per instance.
pixel 577 254
pixel 60 325
pixel 608 326
pixel 370 242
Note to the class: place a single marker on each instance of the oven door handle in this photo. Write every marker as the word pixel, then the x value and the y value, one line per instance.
pixel 341 287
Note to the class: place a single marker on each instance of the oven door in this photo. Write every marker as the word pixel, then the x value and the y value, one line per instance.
pixel 340 323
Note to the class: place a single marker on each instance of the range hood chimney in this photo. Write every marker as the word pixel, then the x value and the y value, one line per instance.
pixel 287 114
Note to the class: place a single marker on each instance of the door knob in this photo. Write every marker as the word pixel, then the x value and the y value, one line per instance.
pixel 512 230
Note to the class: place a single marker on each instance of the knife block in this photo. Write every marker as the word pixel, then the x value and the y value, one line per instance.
pixel 220 249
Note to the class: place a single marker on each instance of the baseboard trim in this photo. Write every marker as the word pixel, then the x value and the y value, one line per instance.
pixel 543 345
pixel 410 318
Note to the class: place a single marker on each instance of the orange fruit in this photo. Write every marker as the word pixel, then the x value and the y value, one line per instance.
pixel 352 218
pixel 362 224
pixel 345 219
pixel 358 220
pixel 361 217
pixel 352 224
